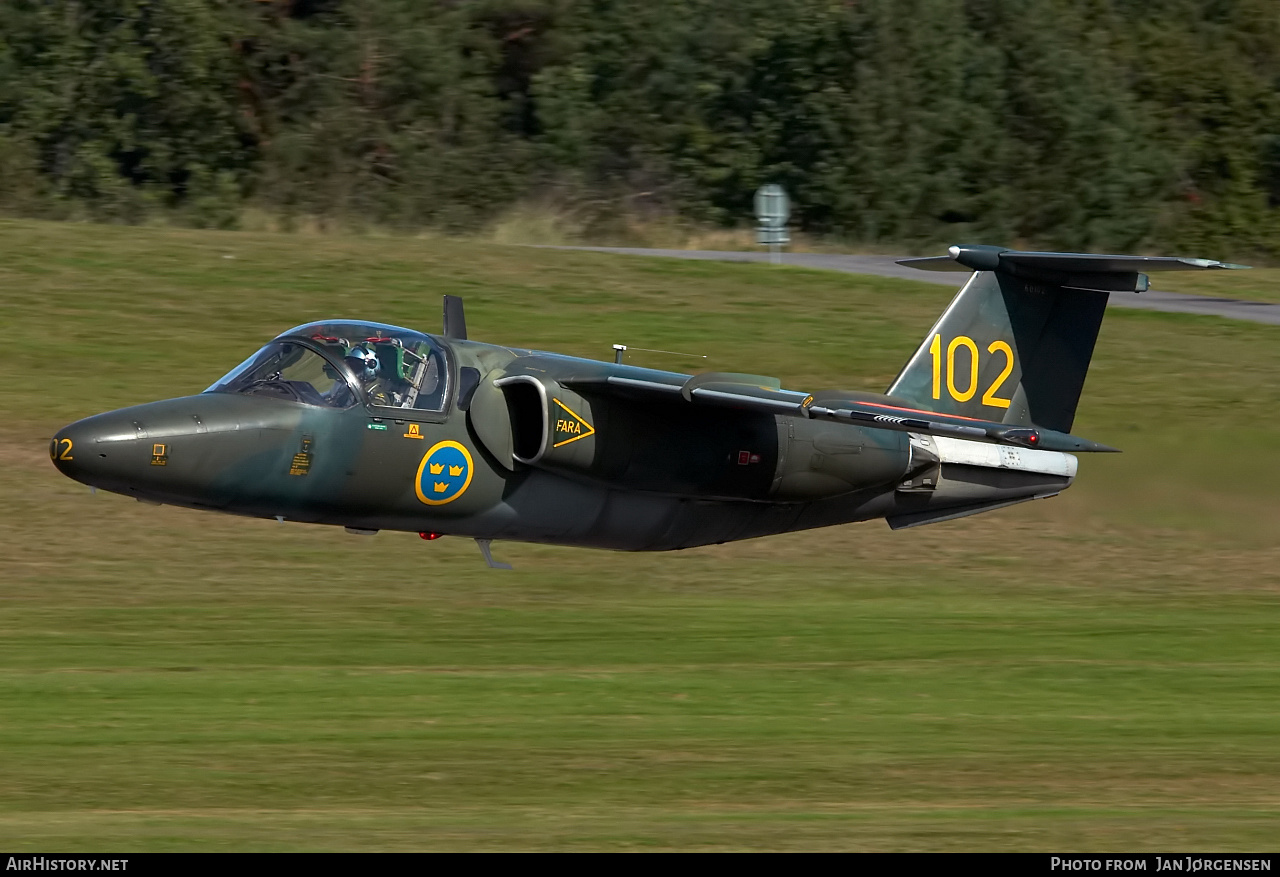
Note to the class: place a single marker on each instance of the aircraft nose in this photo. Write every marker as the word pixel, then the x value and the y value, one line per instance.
pixel 68 447
pixel 83 450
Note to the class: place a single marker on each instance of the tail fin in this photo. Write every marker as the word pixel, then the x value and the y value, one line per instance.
pixel 1014 345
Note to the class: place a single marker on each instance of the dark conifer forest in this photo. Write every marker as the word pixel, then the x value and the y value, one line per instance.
pixel 1082 124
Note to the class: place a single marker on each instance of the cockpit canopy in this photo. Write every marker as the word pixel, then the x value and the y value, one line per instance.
pixel 338 364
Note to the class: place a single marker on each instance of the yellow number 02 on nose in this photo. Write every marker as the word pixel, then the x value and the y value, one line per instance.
pixel 970 380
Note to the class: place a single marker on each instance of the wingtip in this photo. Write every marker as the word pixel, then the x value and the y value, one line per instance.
pixel 933 263
pixel 1214 264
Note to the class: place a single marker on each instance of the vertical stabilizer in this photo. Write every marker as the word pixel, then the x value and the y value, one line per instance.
pixel 1014 344
pixel 1007 350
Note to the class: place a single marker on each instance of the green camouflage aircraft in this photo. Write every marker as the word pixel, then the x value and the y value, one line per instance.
pixel 374 427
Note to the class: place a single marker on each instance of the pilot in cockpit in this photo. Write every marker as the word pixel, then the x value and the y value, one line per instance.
pixel 364 364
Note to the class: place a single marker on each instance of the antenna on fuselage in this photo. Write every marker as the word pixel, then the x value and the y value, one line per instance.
pixel 455 321
pixel 620 351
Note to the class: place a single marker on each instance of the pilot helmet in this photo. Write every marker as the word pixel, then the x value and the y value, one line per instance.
pixel 363 362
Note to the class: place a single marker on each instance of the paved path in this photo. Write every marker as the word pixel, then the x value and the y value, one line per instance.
pixel 885 266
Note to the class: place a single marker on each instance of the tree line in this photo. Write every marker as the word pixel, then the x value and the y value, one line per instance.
pixel 1083 124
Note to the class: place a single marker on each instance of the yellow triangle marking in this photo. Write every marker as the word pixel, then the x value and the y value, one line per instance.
pixel 589 430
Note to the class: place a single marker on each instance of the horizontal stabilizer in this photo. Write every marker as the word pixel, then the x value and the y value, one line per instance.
pixel 1059 267
pixel 1098 264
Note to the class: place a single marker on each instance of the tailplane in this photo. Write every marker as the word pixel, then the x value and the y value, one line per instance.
pixel 1014 344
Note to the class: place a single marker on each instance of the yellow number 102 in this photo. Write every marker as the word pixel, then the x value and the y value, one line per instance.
pixel 969 380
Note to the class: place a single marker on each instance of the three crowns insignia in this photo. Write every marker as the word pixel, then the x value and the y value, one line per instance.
pixel 438 469
pixel 449 467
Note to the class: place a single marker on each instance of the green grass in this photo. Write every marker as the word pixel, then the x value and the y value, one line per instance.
pixel 1094 672
pixel 1256 284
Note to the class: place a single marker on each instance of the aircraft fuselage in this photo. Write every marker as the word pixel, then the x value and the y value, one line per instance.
pixel 610 472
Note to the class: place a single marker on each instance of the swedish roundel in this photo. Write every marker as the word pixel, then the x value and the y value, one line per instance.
pixel 444 473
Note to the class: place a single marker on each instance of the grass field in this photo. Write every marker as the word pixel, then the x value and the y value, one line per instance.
pixel 1095 672
pixel 1256 284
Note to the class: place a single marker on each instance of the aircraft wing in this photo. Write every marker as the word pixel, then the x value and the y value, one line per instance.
pixel 765 395
pixel 888 416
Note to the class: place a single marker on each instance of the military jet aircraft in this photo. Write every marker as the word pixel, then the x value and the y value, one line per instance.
pixel 375 427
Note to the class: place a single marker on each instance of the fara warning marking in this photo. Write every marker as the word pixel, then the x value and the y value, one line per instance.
pixel 444 473
pixel 570 426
